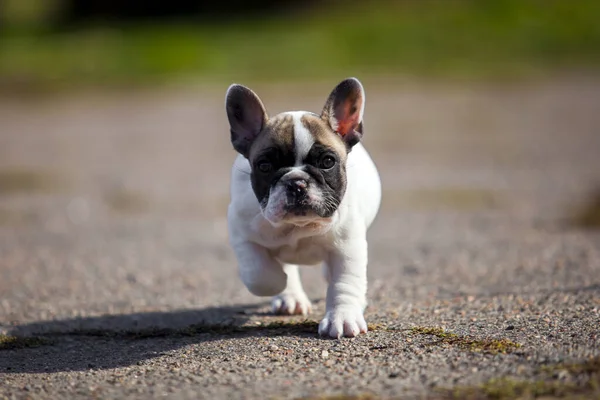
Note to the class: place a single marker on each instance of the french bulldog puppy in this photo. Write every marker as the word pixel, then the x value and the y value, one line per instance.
pixel 304 191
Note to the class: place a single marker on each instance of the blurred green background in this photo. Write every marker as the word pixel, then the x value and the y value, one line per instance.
pixel 57 44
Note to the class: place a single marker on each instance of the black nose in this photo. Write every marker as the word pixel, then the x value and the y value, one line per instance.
pixel 297 193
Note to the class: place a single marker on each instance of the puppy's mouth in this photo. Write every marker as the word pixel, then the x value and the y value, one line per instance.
pixel 298 202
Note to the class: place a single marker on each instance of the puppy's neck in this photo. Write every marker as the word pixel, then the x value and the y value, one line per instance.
pixel 305 228
pixel 316 223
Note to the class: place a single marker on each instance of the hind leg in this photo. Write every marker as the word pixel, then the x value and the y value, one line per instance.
pixel 326 273
pixel 292 300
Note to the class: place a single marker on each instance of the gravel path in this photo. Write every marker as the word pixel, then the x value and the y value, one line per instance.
pixel 116 279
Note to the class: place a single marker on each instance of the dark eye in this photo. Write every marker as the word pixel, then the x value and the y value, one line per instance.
pixel 265 166
pixel 327 162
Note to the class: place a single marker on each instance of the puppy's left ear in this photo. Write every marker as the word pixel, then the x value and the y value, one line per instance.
pixel 344 110
pixel 247 117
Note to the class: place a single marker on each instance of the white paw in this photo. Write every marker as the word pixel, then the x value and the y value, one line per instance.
pixel 291 304
pixel 343 321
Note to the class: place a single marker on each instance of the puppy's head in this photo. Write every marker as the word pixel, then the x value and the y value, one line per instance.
pixel 298 159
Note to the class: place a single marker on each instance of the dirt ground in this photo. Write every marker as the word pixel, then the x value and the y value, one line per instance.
pixel 116 279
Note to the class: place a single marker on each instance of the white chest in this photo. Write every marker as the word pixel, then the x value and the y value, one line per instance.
pixel 307 245
pixel 306 251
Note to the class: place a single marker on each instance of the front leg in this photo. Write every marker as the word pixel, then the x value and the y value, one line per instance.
pixel 261 273
pixel 347 290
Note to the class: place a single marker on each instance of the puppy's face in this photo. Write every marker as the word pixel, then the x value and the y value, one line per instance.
pixel 298 168
pixel 298 159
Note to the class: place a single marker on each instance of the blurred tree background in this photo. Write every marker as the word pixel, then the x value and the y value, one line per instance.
pixel 52 44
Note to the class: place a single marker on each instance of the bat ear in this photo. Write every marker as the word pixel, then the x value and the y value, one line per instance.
pixel 344 110
pixel 247 117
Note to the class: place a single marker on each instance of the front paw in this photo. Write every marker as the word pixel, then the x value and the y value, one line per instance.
pixel 291 304
pixel 343 321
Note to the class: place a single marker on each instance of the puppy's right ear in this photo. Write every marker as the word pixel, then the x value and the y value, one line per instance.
pixel 247 117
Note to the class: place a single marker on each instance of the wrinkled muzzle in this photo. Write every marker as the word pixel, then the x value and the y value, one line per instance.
pixel 295 197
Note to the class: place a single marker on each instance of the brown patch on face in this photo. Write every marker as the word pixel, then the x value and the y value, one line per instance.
pixel 323 134
pixel 327 145
pixel 278 132
pixel 275 146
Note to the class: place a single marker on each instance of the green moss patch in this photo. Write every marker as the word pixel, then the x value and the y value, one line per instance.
pixel 274 329
pixel 507 388
pixel 377 327
pixel 491 346
pixel 546 385
pixel 590 366
pixel 8 342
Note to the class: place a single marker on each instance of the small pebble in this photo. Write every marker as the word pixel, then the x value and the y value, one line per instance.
pixel 562 375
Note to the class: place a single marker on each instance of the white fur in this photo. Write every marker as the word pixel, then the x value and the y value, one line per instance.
pixel 269 253
pixel 303 140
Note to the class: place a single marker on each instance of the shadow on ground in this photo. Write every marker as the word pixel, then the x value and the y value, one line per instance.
pixel 113 341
